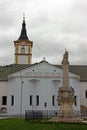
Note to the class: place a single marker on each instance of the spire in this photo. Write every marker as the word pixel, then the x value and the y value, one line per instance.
pixel 23 34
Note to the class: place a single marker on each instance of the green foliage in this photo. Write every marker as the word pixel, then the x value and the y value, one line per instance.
pixel 20 124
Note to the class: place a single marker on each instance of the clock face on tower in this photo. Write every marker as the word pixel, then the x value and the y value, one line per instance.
pixel 23 43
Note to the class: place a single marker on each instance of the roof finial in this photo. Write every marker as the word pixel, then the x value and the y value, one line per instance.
pixel 23 16
pixel 44 59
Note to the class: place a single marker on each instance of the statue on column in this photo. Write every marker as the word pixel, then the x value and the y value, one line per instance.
pixel 66 93
pixel 66 96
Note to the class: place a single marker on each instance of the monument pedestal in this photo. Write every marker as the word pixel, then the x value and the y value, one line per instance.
pixel 66 112
pixel 66 100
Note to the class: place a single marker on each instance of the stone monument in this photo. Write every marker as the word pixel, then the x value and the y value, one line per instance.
pixel 66 93
pixel 66 96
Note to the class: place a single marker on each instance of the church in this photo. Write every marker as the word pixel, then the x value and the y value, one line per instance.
pixel 26 86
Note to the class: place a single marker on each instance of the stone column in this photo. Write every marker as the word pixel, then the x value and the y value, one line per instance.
pixel 65 66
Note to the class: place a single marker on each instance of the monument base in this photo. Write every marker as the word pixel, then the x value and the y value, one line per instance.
pixel 65 119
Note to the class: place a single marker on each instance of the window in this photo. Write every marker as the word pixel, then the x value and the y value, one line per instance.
pixel 37 100
pixel 12 100
pixel 45 104
pixel 86 94
pixel 31 100
pixel 22 50
pixel 75 103
pixel 53 100
pixel 4 100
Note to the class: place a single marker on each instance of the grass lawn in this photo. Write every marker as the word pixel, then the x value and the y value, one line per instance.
pixel 20 124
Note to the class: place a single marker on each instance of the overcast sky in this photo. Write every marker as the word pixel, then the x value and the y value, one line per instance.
pixel 52 25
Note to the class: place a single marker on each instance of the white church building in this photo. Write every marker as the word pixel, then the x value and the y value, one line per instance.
pixel 26 86
pixel 36 88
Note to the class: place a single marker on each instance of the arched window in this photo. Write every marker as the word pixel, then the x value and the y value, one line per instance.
pixel 86 94
pixel 12 100
pixel 37 100
pixel 75 100
pixel 31 100
pixel 53 100
pixel 22 50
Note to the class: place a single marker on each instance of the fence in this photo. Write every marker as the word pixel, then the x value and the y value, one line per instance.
pixel 40 114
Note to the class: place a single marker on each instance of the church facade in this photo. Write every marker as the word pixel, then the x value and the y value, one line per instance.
pixel 36 88
pixel 26 86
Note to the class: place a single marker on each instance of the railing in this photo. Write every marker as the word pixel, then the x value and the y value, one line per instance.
pixel 41 114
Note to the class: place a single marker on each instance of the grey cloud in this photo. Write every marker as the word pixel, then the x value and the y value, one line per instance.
pixel 52 26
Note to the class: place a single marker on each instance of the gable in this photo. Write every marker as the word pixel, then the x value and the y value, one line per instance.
pixel 42 69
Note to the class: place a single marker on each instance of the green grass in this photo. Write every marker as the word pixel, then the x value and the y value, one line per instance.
pixel 20 124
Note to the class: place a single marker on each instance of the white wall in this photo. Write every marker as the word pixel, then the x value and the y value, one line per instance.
pixel 14 87
pixel 44 87
pixel 83 88
pixel 22 59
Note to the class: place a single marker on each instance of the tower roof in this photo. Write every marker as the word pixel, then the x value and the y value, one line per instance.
pixel 23 34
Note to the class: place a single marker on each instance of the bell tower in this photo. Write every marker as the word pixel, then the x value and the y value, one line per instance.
pixel 23 47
